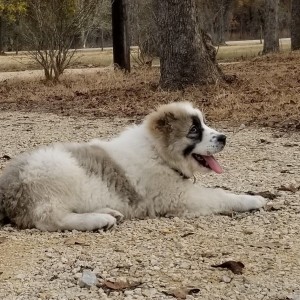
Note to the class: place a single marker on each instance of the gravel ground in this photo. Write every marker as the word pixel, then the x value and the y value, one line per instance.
pixel 164 256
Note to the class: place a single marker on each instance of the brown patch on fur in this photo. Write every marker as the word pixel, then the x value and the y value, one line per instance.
pixel 96 161
pixel 169 123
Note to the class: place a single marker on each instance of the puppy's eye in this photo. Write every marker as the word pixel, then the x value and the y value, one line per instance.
pixel 193 129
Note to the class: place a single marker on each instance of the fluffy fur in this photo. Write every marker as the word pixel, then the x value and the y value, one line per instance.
pixel 141 173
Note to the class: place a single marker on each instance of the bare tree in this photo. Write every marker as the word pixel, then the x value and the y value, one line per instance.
pixel 271 38
pixel 100 20
pixel 295 25
pixel 186 54
pixel 214 17
pixel 143 31
pixel 52 26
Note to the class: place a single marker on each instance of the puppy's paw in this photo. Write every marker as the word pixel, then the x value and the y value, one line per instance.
pixel 253 202
pixel 116 214
pixel 110 222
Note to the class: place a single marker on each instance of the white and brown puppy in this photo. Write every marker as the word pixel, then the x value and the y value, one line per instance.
pixel 141 173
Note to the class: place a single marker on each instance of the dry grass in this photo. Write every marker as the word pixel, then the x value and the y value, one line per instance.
pixel 266 93
pixel 240 51
pixel 98 58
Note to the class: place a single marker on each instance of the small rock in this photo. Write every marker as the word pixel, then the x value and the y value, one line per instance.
pixel 243 126
pixel 148 293
pixel 21 276
pixel 226 279
pixel 88 279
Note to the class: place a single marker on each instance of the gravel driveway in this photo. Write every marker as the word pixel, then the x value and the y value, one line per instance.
pixel 164 258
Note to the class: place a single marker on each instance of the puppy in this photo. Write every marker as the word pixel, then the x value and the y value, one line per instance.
pixel 144 172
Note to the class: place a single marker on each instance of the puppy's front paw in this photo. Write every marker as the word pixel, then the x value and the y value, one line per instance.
pixel 254 202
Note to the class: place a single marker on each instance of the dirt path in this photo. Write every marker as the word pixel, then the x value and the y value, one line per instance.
pixel 164 253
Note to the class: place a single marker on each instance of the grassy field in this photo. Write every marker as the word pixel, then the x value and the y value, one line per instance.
pixel 97 58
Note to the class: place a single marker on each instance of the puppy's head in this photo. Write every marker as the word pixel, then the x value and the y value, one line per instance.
pixel 183 140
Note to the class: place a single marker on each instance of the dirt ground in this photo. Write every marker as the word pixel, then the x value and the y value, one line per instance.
pixel 167 257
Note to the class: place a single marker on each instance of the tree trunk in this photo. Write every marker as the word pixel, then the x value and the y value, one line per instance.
pixel 187 55
pixel 1 35
pixel 271 39
pixel 121 47
pixel 295 25
pixel 226 6
pixel 101 39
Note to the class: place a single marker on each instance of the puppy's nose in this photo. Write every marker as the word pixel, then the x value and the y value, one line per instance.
pixel 221 138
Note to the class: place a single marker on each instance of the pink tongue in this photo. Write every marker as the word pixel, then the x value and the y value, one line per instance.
pixel 213 164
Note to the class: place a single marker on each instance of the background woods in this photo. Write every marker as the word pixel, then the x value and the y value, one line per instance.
pixel 223 20
pixel 51 31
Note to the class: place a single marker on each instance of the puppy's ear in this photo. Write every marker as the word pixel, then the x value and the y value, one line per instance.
pixel 164 122
pixel 160 123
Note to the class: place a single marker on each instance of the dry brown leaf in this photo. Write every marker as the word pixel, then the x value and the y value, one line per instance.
pixel 187 234
pixel 287 172
pixel 235 267
pixel 6 157
pixel 120 285
pixel 73 241
pixel 269 245
pixel 182 292
pixel 290 145
pixel 289 188
pixel 2 239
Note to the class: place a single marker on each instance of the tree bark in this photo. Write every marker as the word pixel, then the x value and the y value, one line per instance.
pixel 295 25
pixel 187 55
pixel 121 47
pixel 271 38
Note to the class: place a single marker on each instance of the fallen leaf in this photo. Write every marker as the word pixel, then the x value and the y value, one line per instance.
pixel 277 135
pixel 72 241
pixel 187 234
pixel 264 159
pixel 265 194
pixel 289 188
pixel 193 291
pixel 235 267
pixel 2 239
pixel 182 292
pixel 269 245
pixel 120 285
pixel 287 172
pixel 290 145
pixel 7 157
pixel 264 141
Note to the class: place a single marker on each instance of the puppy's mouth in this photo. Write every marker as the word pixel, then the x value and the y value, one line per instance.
pixel 208 161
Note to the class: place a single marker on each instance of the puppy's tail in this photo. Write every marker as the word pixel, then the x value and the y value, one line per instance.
pixel 2 212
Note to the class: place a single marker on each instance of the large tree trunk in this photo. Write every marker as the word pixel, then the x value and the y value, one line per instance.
pixel 187 56
pixel 271 38
pixel 121 47
pixel 295 25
